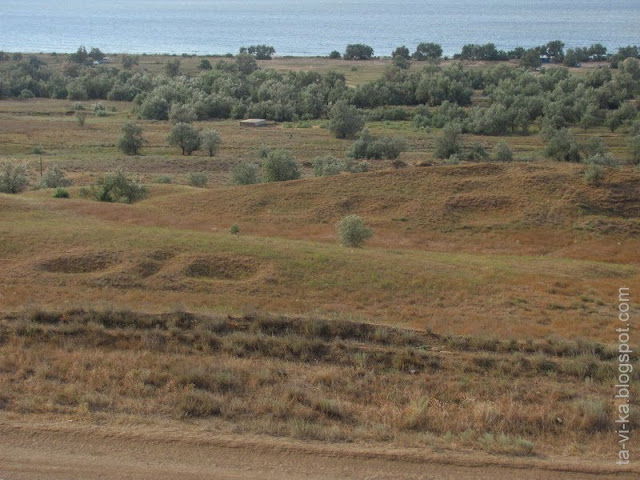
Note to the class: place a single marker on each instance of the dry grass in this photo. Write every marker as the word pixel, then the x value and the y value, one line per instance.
pixel 308 378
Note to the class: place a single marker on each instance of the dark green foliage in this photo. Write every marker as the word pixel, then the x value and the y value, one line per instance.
pixel 502 152
pixel 172 68
pixel 260 52
pixel 131 139
pixel 481 52
pixel 358 51
pixel 205 64
pixel 427 51
pixel 117 187
pixel 335 55
pixel 210 141
pixel 279 166
pixel 530 58
pixel 401 52
pixel 61 193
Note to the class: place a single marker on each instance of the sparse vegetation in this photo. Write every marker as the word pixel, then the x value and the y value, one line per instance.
pixel 13 177
pixel 352 231
pixel 131 139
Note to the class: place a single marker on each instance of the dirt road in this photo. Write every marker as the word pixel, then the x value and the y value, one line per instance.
pixel 61 449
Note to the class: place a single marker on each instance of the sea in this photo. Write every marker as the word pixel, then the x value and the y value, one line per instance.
pixel 310 27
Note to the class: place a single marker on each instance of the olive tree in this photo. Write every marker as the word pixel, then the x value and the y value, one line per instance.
pixel 449 142
pixel 358 51
pixel 427 51
pixel 13 178
pixel 131 139
pixel 344 120
pixel 185 136
pixel 210 141
pixel 352 231
pixel 279 166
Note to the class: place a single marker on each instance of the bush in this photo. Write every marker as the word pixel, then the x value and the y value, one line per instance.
pixel 13 178
pixel 376 148
pixel 279 166
pixel 344 120
pixel 562 146
pixel 234 230
pixel 602 159
pixel 99 110
pixel 185 136
pixel 210 140
pixel 352 231
pixel 477 153
pixel 358 51
pixel 245 174
pixel 182 114
pixel 327 165
pixel 594 174
pixel 449 143
pixel 61 193
pixel 502 152
pixel 335 55
pixel 81 118
pixel 117 187
pixel 199 180
pixel 131 139
pixel 205 64
pixel 634 146
pixel 54 177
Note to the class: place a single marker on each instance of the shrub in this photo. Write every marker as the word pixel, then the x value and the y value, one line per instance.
pixel 117 187
pixel 562 146
pixel 358 51
pixel 54 178
pixel 185 136
pixel 131 139
pixel 13 178
pixel 344 120
pixel 245 174
pixel 26 94
pixel 234 230
pixel 594 174
pixel 352 231
pixel 327 165
pixel 449 143
pixel 634 146
pixel 81 118
pixel 61 193
pixel 198 180
pixel 99 110
pixel 165 179
pixel 477 153
pixel 602 159
pixel 335 55
pixel 205 64
pixel 279 166
pixel 210 141
pixel 371 148
pixel 502 152
pixel 180 113
pixel 199 404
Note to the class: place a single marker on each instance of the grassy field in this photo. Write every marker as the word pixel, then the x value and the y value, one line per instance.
pixel 481 314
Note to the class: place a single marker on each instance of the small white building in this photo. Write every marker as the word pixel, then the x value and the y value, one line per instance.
pixel 253 122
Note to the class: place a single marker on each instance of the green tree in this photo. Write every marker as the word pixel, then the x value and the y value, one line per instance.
pixel 205 64
pixel 352 231
pixel 172 68
pixel 358 51
pixel 634 147
pixel 571 59
pixel 402 52
pixel 279 166
pixel 246 64
pixel 245 174
pixel 502 152
pixel 210 140
pixel 131 139
pixel 530 59
pixel 13 178
pixel 185 136
pixel 118 187
pixel 562 146
pixel 449 142
pixel 260 52
pixel 344 120
pixel 427 51
pixel 335 55
pixel 182 113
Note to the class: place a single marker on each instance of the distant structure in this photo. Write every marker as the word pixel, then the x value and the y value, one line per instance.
pixel 253 122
